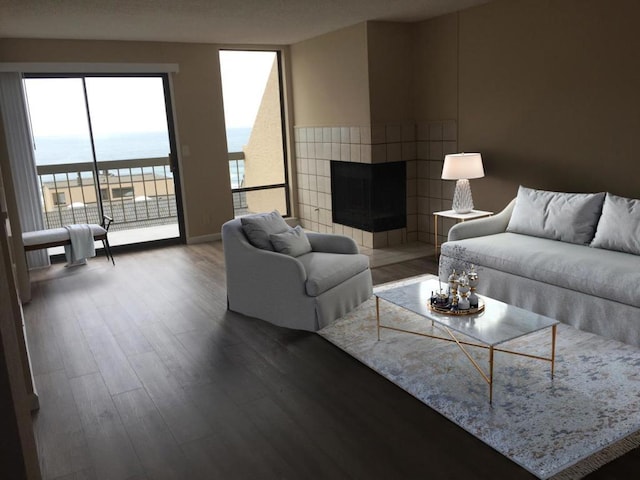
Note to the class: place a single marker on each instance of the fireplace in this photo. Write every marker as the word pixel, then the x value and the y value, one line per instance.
pixel 370 197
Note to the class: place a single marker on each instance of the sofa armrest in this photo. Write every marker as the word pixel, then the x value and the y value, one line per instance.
pixel 331 243
pixel 482 226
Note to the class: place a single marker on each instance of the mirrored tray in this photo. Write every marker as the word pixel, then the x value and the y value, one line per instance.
pixel 446 311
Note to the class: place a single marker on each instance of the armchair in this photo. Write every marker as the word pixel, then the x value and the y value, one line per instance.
pixel 306 292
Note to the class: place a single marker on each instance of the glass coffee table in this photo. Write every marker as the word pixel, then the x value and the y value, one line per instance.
pixel 498 323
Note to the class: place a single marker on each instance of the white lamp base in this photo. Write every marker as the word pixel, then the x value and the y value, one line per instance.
pixel 462 199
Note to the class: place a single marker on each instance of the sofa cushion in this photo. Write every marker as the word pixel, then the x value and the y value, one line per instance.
pixel 326 270
pixel 593 271
pixel 293 242
pixel 619 225
pixel 568 217
pixel 258 226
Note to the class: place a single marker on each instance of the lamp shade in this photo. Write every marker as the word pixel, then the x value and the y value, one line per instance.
pixel 458 166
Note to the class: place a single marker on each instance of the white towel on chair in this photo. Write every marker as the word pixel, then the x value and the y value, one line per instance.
pixel 82 243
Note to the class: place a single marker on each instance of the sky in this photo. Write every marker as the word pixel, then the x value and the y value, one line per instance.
pixel 129 105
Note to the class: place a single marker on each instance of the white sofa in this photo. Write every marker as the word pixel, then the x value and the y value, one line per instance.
pixel 572 257
pixel 304 289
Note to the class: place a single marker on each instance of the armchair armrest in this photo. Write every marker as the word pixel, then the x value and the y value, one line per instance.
pixel 331 243
pixel 482 226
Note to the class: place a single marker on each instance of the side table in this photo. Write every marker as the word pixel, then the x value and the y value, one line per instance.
pixel 460 217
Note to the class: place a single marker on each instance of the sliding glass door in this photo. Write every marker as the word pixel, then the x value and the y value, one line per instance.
pixel 105 145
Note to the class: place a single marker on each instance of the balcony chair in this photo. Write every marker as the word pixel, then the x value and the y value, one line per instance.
pixel 303 289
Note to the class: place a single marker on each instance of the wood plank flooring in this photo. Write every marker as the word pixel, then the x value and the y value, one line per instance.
pixel 142 373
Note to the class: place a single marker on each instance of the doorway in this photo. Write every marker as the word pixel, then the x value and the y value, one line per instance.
pixel 105 145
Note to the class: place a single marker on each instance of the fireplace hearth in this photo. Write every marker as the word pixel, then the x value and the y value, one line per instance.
pixel 370 197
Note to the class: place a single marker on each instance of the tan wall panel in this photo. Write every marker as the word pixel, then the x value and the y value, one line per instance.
pixel 330 80
pixel 390 56
pixel 549 94
pixel 198 107
pixel 435 92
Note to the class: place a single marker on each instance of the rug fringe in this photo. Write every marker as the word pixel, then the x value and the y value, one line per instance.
pixel 593 462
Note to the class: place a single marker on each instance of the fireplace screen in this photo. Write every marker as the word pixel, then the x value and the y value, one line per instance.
pixel 370 197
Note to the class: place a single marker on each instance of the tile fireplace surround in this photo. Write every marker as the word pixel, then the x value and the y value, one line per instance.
pixel 422 146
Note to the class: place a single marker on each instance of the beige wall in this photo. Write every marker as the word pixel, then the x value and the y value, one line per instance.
pixel 390 67
pixel 330 79
pixel 198 108
pixel 548 93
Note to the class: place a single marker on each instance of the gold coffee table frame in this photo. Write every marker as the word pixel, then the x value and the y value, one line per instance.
pixel 488 377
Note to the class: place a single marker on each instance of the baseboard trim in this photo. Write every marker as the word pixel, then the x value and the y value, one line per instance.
pixel 212 237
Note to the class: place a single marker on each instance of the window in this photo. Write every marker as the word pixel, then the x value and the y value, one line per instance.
pixel 59 198
pixel 122 192
pixel 253 109
pixel 104 193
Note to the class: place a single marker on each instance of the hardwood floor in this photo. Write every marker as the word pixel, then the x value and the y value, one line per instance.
pixel 142 373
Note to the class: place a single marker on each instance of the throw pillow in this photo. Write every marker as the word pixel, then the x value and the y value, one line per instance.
pixel 257 227
pixel 568 217
pixel 619 225
pixel 293 242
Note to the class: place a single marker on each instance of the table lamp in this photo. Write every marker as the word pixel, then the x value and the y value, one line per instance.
pixel 462 167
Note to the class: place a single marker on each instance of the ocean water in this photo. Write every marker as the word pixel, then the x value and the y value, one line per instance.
pixel 53 150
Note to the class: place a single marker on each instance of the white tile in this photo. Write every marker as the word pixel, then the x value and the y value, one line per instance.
pixel 365 153
pixel 435 169
pixel 412 237
pixel 423 206
pixel 357 236
pixel 379 153
pixel 354 134
pixel 380 240
pixel 326 134
pixel 423 169
pixel 326 151
pixel 408 132
pixel 378 134
pixel 311 150
pixel 408 150
pixel 344 135
pixel 296 134
pixel 422 152
pixel 412 187
pixel 337 228
pixel 335 151
pixel 365 135
pixel 450 130
pixel 393 133
pixel 394 237
pixel 345 152
pixel 435 131
pixel 313 198
pixel 449 147
pixel 435 151
pixel 394 152
pixel 303 135
pixel 348 231
pixel 422 132
pixel 412 223
pixel 412 205
pixel 335 135
pixel 448 188
pixel 435 188
pixel 302 149
pixel 311 166
pixel 313 183
pixel 367 239
pixel 304 181
pixel 355 152
pixel 318 134
pixel 422 187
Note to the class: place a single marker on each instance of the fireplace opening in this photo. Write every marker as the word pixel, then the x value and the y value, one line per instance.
pixel 370 197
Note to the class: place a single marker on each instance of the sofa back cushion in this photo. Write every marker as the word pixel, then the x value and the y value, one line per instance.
pixel 257 227
pixel 619 225
pixel 568 217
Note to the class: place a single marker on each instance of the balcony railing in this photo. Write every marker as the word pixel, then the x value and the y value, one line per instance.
pixel 135 193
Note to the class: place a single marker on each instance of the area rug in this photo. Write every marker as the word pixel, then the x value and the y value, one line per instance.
pixel 563 428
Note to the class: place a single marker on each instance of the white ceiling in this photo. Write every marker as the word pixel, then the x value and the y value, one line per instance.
pixel 276 22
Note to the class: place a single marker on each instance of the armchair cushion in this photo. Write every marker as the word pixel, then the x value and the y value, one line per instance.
pixel 293 242
pixel 257 227
pixel 326 270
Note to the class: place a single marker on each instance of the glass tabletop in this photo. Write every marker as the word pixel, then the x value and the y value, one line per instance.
pixel 498 323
